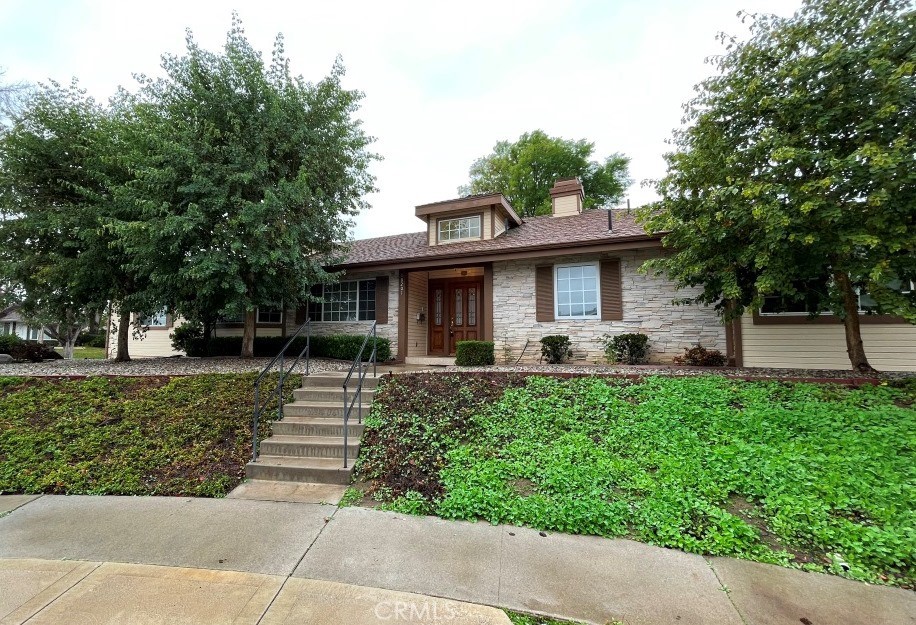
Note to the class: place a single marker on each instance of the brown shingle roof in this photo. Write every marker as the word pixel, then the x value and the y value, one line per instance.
pixel 546 232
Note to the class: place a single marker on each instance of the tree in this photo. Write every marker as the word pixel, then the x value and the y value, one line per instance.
pixel 796 167
pixel 55 177
pixel 247 178
pixel 10 94
pixel 525 170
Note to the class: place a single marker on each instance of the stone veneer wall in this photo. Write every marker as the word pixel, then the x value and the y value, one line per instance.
pixel 647 308
pixel 388 330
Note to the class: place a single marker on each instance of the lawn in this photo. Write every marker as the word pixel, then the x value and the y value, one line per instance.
pixel 817 476
pixel 126 436
pixel 95 353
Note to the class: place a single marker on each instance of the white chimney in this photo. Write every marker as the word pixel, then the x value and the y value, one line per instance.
pixel 566 197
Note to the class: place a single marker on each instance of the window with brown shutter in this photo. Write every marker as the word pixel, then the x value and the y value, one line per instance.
pixel 381 299
pixel 543 286
pixel 611 291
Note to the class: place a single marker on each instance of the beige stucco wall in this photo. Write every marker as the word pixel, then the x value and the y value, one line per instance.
pixel 154 343
pixel 889 347
pixel 647 308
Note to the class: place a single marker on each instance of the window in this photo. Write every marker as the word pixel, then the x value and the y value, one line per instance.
pixel 32 333
pixel 576 291
pixel 459 228
pixel 9 327
pixel 813 292
pixel 270 315
pixel 156 320
pixel 351 300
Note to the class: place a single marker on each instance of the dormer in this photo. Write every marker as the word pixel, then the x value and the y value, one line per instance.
pixel 472 218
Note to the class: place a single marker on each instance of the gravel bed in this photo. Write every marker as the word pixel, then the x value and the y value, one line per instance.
pixel 155 366
pixel 641 370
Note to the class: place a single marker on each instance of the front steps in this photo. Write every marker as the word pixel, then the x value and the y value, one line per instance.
pixel 307 445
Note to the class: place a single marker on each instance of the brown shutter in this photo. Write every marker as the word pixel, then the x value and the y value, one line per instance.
pixel 611 291
pixel 543 285
pixel 381 299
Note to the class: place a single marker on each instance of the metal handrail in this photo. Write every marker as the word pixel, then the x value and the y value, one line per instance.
pixel 284 373
pixel 358 395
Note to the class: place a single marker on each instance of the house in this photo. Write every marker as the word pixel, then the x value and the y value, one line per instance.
pixel 11 322
pixel 479 271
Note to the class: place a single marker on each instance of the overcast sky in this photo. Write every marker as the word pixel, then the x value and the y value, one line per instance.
pixel 443 82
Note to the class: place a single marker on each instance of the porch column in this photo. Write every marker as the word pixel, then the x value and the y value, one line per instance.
pixel 487 302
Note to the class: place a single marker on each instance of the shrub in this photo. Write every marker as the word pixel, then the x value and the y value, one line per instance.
pixel 189 338
pixel 33 352
pixel 555 348
pixel 699 356
pixel 8 342
pixel 630 348
pixel 89 340
pixel 474 353
pixel 346 347
pixel 341 346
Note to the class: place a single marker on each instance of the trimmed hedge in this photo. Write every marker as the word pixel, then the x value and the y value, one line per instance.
pixel 341 346
pixel 474 353
pixel 90 340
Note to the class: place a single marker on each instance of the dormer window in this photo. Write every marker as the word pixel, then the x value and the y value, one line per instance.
pixel 459 228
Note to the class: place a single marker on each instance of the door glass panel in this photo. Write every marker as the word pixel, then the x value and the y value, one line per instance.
pixel 438 307
pixel 459 315
pixel 472 306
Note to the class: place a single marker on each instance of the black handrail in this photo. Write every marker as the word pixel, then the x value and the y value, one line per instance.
pixel 358 395
pixel 284 373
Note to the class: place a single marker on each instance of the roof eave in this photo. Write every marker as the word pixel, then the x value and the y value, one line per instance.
pixel 578 247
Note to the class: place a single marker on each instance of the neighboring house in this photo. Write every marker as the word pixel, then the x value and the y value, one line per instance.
pixel 479 271
pixel 11 323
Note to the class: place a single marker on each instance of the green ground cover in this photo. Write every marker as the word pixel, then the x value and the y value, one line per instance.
pixel 818 476
pixel 126 436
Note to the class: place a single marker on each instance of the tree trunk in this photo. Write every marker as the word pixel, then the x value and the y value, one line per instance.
pixel 248 334
pixel 123 354
pixel 854 346
pixel 70 337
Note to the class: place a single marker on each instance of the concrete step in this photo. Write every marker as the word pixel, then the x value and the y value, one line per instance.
pixel 282 469
pixel 334 379
pixel 316 426
pixel 309 446
pixel 321 393
pixel 324 409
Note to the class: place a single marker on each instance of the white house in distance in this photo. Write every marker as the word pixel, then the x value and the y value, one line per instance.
pixel 479 271
pixel 11 322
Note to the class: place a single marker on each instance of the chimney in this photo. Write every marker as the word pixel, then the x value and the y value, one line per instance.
pixel 566 197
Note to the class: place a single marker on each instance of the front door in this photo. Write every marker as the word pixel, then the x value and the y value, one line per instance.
pixel 455 308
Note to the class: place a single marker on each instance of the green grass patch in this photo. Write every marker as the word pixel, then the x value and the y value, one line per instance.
pixel 818 476
pixel 126 436
pixel 519 618
pixel 80 353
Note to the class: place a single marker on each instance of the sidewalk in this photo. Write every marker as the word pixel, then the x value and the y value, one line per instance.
pixel 575 577
pixel 42 592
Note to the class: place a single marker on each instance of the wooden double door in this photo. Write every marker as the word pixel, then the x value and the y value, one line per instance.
pixel 455 313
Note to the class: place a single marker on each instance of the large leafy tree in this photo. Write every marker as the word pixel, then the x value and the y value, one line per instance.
pixel 524 171
pixel 247 180
pixel 56 176
pixel 797 167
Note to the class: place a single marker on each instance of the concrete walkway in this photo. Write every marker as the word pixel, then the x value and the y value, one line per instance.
pixel 42 592
pixel 575 577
